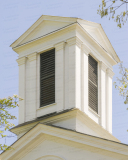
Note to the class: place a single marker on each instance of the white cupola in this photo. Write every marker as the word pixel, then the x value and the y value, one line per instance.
pixel 65 76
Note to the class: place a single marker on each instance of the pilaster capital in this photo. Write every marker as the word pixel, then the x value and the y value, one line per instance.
pixel 110 73
pixel 103 66
pixel 21 61
pixel 59 46
pixel 32 56
pixel 85 49
pixel 74 40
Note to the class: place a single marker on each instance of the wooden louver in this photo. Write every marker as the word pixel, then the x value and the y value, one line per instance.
pixel 47 78
pixel 93 83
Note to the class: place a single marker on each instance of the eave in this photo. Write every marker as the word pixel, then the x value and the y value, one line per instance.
pixel 40 20
pixel 72 26
pixel 43 132
pixel 60 116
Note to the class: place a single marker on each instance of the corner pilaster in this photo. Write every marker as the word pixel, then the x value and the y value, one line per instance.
pixel 84 77
pixel 32 58
pixel 109 77
pixel 74 72
pixel 103 68
pixel 22 88
pixel 59 76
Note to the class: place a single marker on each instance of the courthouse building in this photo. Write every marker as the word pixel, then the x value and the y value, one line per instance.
pixel 65 80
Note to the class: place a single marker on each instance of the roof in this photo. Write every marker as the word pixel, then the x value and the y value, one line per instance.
pixel 65 134
pixel 38 119
pixel 94 30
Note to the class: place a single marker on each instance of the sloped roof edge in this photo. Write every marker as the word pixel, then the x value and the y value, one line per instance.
pixel 66 19
pixel 70 131
pixel 43 17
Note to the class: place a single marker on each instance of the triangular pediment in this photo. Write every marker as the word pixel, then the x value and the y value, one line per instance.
pixel 47 142
pixel 47 25
pixel 43 26
pixel 97 33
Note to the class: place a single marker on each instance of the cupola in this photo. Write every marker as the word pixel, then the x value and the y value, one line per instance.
pixel 65 76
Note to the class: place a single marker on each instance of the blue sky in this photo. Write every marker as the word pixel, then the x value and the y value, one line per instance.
pixel 17 16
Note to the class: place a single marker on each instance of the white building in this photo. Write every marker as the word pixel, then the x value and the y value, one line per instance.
pixel 65 79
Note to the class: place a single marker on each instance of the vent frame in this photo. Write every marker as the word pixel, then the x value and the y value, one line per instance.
pixel 47 73
pixel 93 83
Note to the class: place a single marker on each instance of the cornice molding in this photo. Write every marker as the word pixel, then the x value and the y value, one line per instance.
pixel 59 46
pixel 85 49
pixel 32 56
pixel 47 36
pixel 74 40
pixel 21 61
pixel 103 66
pixel 56 118
pixel 87 121
pixel 43 132
pixel 18 48
pixel 110 73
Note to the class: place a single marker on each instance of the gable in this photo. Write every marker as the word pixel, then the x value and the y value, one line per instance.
pixel 44 28
pixel 50 143
pixel 47 25
pixel 44 25
pixel 96 31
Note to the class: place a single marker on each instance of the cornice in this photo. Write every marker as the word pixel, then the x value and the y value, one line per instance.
pixel 85 49
pixel 96 44
pixel 110 73
pixel 49 120
pixel 59 46
pixel 74 40
pixel 86 139
pixel 47 36
pixel 21 61
pixel 43 132
pixel 103 66
pixel 87 121
pixel 32 56
pixel 40 20
pixel 19 48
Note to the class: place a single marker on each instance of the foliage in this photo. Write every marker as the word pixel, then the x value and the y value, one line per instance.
pixel 5 105
pixel 122 83
pixel 110 7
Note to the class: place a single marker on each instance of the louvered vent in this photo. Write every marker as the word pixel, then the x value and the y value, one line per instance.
pixel 47 78
pixel 93 83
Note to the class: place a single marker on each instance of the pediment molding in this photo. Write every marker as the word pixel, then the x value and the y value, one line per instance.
pixel 44 38
pixel 28 126
pixel 97 28
pixel 38 22
pixel 70 23
pixel 42 132
pixel 75 113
